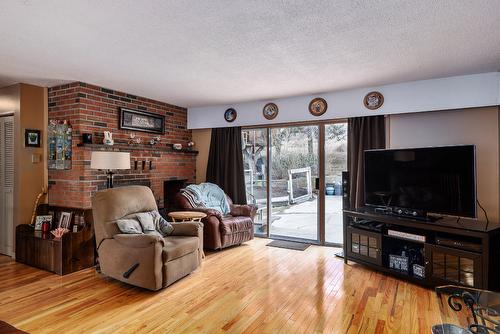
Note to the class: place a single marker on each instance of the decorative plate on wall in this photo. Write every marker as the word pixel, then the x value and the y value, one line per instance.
pixel 373 100
pixel 270 111
pixel 230 115
pixel 318 106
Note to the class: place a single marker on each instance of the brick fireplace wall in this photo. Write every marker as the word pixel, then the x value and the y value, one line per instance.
pixel 93 109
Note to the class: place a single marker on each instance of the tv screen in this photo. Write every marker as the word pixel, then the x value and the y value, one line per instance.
pixel 434 179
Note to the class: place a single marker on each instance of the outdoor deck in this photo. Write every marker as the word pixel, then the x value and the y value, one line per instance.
pixel 301 220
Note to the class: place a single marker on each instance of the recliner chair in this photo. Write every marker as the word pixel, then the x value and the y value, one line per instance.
pixel 148 261
pixel 223 231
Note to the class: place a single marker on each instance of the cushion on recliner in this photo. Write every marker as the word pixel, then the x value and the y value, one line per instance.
pixel 230 225
pixel 162 225
pixel 178 246
pixel 129 226
pixel 146 220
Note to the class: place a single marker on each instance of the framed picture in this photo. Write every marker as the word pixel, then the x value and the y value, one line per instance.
pixel 373 100
pixel 143 121
pixel 270 111
pixel 32 138
pixel 318 106
pixel 40 220
pixel 65 220
pixel 230 115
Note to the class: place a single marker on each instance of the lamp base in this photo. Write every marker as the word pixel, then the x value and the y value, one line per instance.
pixel 109 183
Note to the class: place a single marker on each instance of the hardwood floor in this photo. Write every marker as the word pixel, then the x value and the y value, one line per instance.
pixel 248 289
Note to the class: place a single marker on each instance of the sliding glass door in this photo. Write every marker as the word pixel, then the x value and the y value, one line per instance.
pixel 294 169
pixel 255 166
pixel 293 175
pixel 335 164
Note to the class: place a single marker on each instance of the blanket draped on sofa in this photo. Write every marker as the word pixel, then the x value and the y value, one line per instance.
pixel 207 195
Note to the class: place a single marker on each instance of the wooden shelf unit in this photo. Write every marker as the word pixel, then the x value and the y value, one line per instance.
pixel 72 252
pixel 454 263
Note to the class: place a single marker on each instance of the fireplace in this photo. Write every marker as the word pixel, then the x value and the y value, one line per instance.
pixel 170 189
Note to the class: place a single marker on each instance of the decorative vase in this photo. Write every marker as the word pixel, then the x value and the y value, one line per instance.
pixel 108 138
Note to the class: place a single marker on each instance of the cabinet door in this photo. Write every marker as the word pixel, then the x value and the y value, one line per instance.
pixel 46 254
pixel 448 265
pixel 364 245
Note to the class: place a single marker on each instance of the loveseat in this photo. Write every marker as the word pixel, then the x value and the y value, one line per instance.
pixel 221 231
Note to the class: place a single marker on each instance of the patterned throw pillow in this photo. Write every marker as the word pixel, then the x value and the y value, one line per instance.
pixel 129 226
pixel 162 226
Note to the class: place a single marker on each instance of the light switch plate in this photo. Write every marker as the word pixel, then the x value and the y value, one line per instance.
pixel 35 158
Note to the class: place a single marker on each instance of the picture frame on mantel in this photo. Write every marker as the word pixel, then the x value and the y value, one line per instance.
pixel 143 121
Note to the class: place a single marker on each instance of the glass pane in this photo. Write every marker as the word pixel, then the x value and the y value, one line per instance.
pixel 355 248
pixel 363 250
pixel 372 242
pixel 255 165
pixel 451 261
pixel 467 278
pixel 335 163
pixel 451 274
pixel 355 238
pixel 372 252
pixel 466 264
pixel 438 258
pixel 294 167
pixel 438 271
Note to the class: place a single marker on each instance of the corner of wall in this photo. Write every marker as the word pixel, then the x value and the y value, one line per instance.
pixel 32 175
pixel 202 138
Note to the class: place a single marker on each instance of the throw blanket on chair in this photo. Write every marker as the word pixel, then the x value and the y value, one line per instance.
pixel 207 195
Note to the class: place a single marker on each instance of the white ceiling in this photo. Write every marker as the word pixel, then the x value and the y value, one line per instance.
pixel 196 53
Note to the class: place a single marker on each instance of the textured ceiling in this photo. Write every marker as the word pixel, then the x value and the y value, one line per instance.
pixel 195 53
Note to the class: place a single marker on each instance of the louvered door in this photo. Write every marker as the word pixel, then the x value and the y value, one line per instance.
pixel 6 184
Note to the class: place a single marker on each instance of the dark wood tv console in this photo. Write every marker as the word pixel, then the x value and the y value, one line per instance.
pixel 464 252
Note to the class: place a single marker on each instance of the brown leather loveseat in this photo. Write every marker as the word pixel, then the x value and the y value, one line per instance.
pixel 223 231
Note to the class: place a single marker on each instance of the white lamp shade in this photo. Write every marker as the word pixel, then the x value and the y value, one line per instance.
pixel 110 160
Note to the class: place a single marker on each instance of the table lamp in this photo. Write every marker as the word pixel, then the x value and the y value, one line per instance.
pixel 110 161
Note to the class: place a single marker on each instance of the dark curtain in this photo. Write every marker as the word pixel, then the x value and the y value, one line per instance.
pixel 225 163
pixel 364 133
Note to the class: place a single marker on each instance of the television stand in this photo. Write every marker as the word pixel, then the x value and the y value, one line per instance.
pixel 429 253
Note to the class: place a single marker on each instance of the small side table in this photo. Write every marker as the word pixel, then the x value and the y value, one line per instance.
pixel 184 216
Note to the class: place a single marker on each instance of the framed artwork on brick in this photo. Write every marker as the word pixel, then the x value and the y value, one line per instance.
pixel 59 140
pixel 143 121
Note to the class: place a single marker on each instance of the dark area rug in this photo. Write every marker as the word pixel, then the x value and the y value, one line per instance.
pixel 288 245
pixel 340 254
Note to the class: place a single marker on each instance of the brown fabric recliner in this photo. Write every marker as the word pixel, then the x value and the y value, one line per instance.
pixel 223 231
pixel 162 261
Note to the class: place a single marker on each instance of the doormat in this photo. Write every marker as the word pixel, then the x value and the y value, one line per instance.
pixel 288 245
pixel 340 254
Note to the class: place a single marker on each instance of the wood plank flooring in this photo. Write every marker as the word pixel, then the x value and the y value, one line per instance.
pixel 248 289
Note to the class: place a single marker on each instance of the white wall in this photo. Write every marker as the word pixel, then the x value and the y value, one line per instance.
pixel 476 90
pixel 478 126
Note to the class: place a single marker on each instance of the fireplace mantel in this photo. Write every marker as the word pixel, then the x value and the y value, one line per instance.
pixel 125 147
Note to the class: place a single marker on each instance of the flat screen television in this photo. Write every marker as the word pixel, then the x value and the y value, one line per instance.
pixel 438 180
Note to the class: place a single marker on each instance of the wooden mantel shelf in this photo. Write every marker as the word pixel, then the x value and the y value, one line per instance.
pixel 124 147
